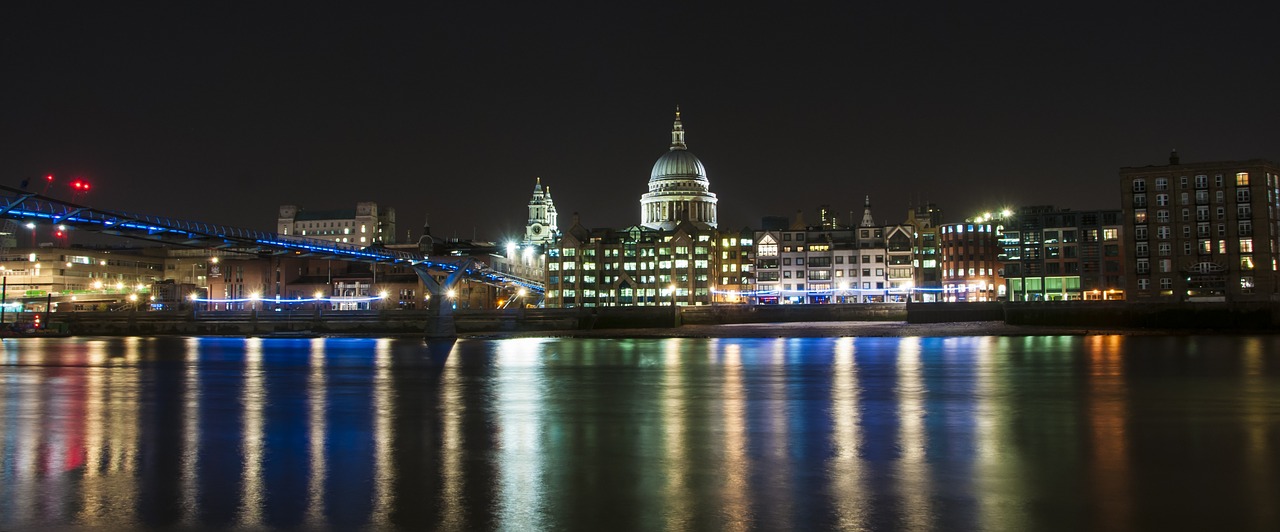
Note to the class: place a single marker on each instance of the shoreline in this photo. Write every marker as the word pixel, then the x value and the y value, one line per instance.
pixel 870 329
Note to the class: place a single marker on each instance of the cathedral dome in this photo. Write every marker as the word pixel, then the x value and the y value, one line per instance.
pixel 678 164
pixel 678 188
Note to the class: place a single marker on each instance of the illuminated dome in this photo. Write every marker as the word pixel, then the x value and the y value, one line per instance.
pixel 678 164
pixel 678 188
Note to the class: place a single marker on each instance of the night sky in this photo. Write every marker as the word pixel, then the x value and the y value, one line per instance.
pixel 222 112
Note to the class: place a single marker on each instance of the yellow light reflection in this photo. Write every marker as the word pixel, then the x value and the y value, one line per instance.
pixel 191 432
pixel 384 475
pixel 254 399
pixel 850 500
pixel 1107 419
pixel 521 388
pixel 913 469
pixel 679 513
pixel 997 461
pixel 111 435
pixel 317 424
pixel 1257 422
pixel 737 470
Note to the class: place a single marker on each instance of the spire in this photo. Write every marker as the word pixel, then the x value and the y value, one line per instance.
pixel 867 220
pixel 677 133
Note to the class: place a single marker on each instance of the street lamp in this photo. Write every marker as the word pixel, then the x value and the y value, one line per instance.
pixel 672 288
pixel 32 227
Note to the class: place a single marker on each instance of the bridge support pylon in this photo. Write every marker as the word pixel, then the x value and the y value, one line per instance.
pixel 440 322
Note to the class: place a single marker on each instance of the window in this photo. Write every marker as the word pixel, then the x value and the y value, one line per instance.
pixel 1139 200
pixel 1139 216
pixel 1162 200
pixel 1162 183
pixel 1246 245
pixel 1217 197
pixel 1166 265
pixel 1202 181
pixel 1110 234
pixel 1140 232
pixel 1162 232
pixel 1162 216
pixel 1140 249
pixel 1144 284
pixel 1246 228
pixel 1246 262
pixel 1139 185
pixel 1242 179
pixel 1182 182
pixel 1242 195
pixel 1166 283
pixel 1244 210
pixel 1144 266
pixel 1164 249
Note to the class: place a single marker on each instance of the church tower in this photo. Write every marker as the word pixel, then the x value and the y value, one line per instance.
pixel 678 188
pixel 867 220
pixel 541 227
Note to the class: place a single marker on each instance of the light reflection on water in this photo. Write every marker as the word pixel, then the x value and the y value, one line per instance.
pixel 1097 432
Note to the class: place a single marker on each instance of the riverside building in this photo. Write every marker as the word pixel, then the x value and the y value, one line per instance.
pixel 366 224
pixel 1201 231
pixel 831 263
pixel 1051 254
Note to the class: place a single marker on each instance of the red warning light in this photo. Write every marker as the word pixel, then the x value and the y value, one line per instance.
pixel 49 177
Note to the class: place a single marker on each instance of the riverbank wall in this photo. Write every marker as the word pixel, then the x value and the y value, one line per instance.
pixel 1254 316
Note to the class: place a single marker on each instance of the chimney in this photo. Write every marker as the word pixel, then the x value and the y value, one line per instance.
pixel 1173 158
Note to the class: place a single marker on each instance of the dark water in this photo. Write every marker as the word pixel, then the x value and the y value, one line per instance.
pixel 1036 433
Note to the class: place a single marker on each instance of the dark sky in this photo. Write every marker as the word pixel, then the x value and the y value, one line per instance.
pixel 222 112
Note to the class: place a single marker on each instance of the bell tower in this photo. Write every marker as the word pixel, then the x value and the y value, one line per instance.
pixel 541 226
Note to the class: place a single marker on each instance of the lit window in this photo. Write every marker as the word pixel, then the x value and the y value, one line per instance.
pixel 1242 179
pixel 1246 245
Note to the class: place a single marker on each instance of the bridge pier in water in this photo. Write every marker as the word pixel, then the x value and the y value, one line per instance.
pixel 440 323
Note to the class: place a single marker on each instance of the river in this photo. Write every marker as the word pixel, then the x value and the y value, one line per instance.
pixel 945 433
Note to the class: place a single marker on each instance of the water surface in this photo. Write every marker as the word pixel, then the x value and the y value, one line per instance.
pixel 969 433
